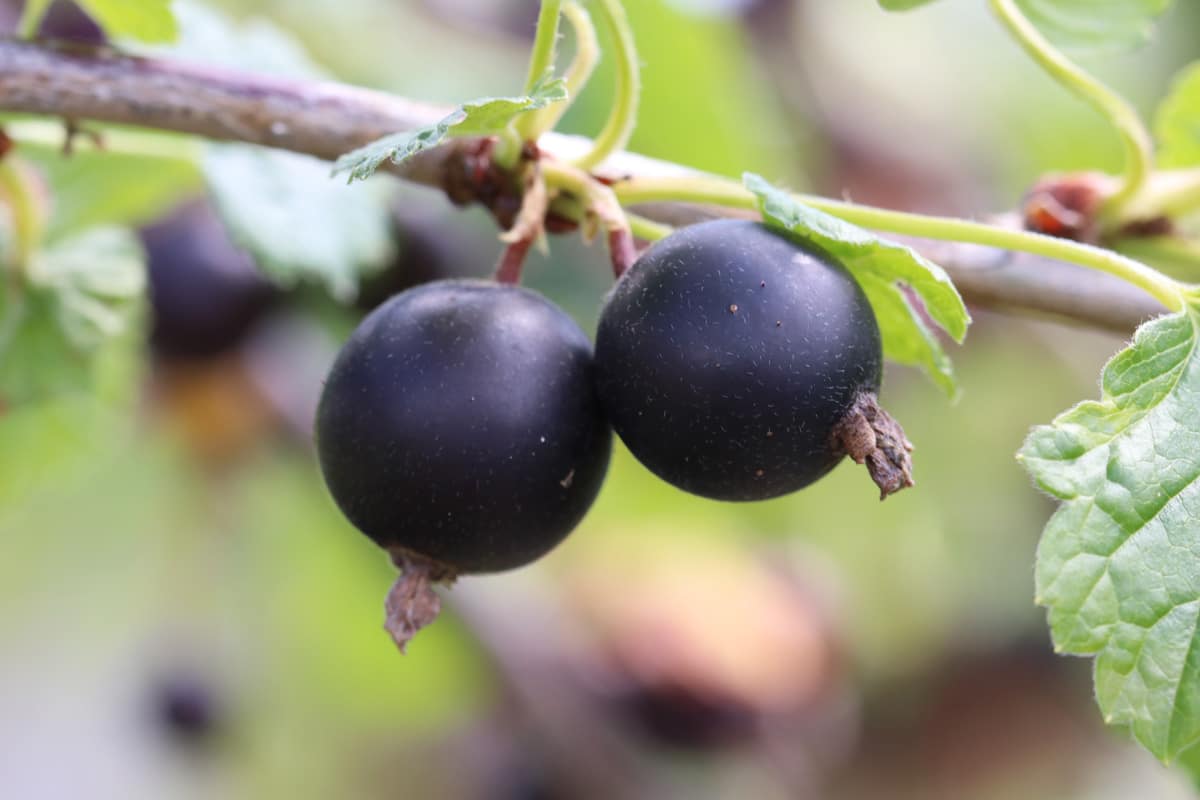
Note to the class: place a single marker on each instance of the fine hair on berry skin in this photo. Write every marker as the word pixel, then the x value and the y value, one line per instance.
pixel 460 430
pixel 730 358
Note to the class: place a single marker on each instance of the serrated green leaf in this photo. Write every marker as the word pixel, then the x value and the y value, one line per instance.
pixel 882 268
pixel 1177 121
pixel 283 209
pixel 39 360
pixel 906 338
pixel 57 403
pixel 95 278
pixel 476 118
pixel 903 5
pixel 1095 25
pixel 143 20
pixel 1118 566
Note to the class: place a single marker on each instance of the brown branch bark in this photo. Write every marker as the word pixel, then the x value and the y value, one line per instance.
pixel 320 119
pixel 324 120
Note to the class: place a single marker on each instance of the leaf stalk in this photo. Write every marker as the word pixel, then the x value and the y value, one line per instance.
pixel 1138 144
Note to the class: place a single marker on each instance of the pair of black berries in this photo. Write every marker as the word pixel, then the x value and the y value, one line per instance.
pixel 465 426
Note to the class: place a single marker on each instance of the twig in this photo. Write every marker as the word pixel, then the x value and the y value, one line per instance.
pixel 326 120
pixel 318 118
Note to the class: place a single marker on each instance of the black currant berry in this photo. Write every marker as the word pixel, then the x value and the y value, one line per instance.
pixel 736 363
pixel 688 720
pixel 63 21
pixel 188 709
pixel 205 293
pixel 460 430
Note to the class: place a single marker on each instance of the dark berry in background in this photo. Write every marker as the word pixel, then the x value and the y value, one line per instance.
pixel 205 293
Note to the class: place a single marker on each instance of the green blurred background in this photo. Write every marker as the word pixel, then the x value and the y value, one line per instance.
pixel 184 614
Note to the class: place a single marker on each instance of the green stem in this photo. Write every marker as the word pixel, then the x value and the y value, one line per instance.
pixel 596 198
pixel 1170 193
pixel 587 55
pixel 1139 147
pixel 601 206
pixel 568 179
pixel 31 18
pixel 1178 257
pixel 722 192
pixel 647 229
pixel 545 42
pixel 541 61
pixel 623 117
pixel 17 187
pixel 700 190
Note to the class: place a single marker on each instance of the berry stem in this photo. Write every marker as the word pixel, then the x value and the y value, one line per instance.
pixel 1139 147
pixel 529 226
pixel 587 55
pixel 647 229
pixel 601 205
pixel 619 127
pixel 723 192
pixel 623 250
pixel 512 260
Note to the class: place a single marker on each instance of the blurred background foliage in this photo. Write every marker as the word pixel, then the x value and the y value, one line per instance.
pixel 185 614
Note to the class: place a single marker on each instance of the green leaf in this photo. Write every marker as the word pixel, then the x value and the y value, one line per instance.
pixel 903 5
pixel 144 20
pixel 1118 566
pixel 37 360
pixel 476 118
pixel 58 403
pixel 46 440
pixel 82 294
pixel 283 209
pixel 1177 121
pixel 884 269
pixel 1095 25
pixel 1189 764
pixel 95 278
pixel 58 331
pixel 109 188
